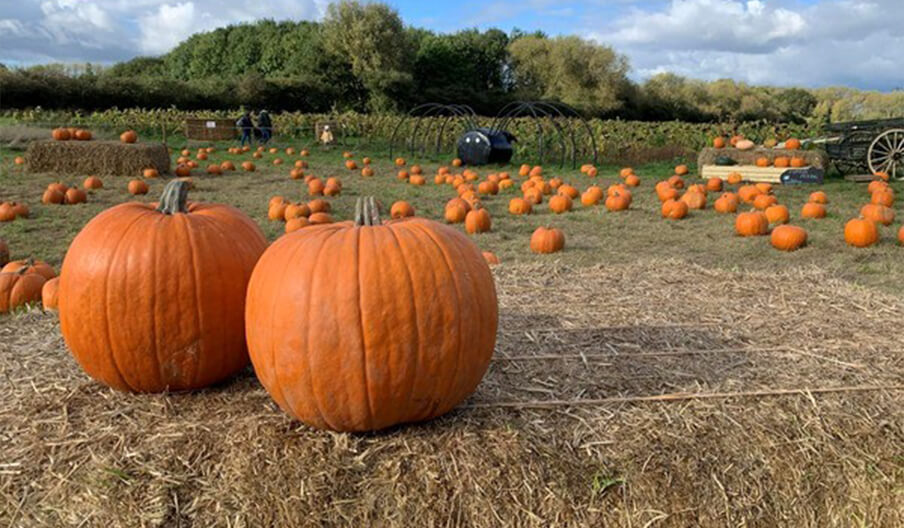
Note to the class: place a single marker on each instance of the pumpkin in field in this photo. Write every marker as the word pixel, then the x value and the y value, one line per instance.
pixel 519 206
pixel 488 187
pixel 477 221
pixel 30 266
pixel 124 309
pixel 881 176
pixel 9 211
pixel 296 223
pixel 764 201
pixel 214 169
pixel 762 162
pixel 735 140
pixel 320 218
pixel 676 181
pixel 792 144
pixel 714 184
pixel 876 186
pixel 625 172
pixel 777 214
pixel 861 233
pixel 400 162
pixel 19 160
pixel 681 170
pixel 75 196
pixel 753 223
pixel 618 201
pixel 735 178
pixel 18 288
pixel 138 187
pixel 788 238
pixel 401 209
pixel 719 142
pixel 748 193
pixel 797 162
pixel 417 179
pixel 296 210
pixel 569 191
pixel 632 180
pixel 52 196
pixel 560 203
pixel 320 205
pixel 248 166
pixel 456 210
pixel 745 144
pixel 490 258
pixel 129 136
pixel 50 294
pixel 93 183
pixel 818 197
pixel 694 199
pixel 727 203
pixel 885 197
pixel 367 172
pixel 674 210
pixel 879 214
pixel 546 240
pixel 315 187
pixel 4 253
pixel 276 212
pixel 60 134
pixel 813 210
pixel 402 332
pixel 901 235
pixel 782 162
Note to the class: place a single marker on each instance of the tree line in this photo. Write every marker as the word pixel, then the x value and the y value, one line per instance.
pixel 363 58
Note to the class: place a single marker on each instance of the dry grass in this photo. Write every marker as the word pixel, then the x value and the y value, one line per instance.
pixel 77 453
pixel 100 158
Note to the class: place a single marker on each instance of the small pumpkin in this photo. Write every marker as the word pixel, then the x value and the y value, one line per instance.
pixel 762 162
pixel 401 209
pixel 18 288
pixel 788 238
pixel 138 187
pixel 818 197
pixel 694 199
pixel 674 210
pixel 792 144
pixel 75 196
pixel 719 142
pixel 129 136
pixel 296 223
pixel 798 162
pixel 782 162
pixel 735 178
pixel 714 184
pixel 777 214
pixel 248 166
pixel 885 197
pixel 727 203
pixel 60 134
pixel 753 223
pixel 50 294
pixel 545 240
pixel 490 258
pixel 879 214
pixel 861 233
pixel 519 206
pixel 320 205
pixel 618 201
pixel 764 201
pixel 30 266
pixel 560 203
pixel 93 183
pixel 52 196
pixel 745 144
pixel 477 221
pixel 813 210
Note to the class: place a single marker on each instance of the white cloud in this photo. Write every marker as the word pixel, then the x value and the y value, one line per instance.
pixel 162 30
pixel 854 42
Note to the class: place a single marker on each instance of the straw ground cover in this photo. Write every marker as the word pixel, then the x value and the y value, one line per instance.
pixel 558 432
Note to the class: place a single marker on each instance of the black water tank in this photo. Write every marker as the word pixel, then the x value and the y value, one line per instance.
pixel 483 146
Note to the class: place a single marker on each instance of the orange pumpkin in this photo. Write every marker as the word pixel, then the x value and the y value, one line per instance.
pixel 719 142
pixel 618 201
pixel 818 197
pixel 545 240
pixel 753 223
pixel 714 184
pixel 50 294
pixel 401 209
pixel 879 214
pixel 788 238
pixel 123 309
pixel 138 187
pixel 93 183
pixel 408 336
pixel 129 136
pixel 813 210
pixel 477 221
pixel 727 203
pixel 674 210
pixel 18 288
pixel 777 214
pixel 694 200
pixel 792 144
pixel 861 233
pixel 519 206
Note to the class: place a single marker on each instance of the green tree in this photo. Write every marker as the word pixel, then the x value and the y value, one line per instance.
pixel 577 72
pixel 371 38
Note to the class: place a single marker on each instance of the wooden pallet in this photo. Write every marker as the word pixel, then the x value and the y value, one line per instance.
pixel 750 173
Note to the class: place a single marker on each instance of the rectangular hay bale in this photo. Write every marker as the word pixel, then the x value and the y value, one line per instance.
pixel 99 158
pixel 709 155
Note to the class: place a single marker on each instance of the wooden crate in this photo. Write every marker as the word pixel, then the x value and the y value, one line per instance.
pixel 763 174
pixel 210 129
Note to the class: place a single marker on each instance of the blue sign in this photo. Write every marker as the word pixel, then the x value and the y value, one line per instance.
pixel 805 175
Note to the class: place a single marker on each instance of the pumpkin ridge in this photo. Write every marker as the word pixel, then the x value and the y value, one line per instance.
pixel 374 216
pixel 183 222
pixel 311 371
pixel 441 404
pixel 107 318
pixel 417 327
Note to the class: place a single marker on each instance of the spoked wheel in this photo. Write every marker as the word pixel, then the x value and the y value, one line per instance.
pixel 886 154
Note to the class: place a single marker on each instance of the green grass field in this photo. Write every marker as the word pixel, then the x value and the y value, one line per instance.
pixel 593 235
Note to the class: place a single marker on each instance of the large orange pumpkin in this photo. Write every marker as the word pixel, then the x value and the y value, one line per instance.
pixel 788 238
pixel 402 332
pixel 152 299
pixel 547 240
pixel 861 233
pixel 753 223
pixel 129 136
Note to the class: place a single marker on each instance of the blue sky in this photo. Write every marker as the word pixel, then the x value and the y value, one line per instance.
pixel 812 43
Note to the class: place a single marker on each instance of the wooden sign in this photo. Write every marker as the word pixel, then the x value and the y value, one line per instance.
pixel 776 175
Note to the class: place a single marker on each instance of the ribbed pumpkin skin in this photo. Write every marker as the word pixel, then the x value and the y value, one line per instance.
pixel 152 302
pixel 362 328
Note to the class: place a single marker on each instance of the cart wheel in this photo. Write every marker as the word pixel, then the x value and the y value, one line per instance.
pixel 886 154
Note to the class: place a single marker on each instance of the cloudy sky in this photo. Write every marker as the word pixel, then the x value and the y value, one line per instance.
pixel 784 42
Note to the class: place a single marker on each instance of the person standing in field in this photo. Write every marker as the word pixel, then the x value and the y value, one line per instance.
pixel 265 126
pixel 246 126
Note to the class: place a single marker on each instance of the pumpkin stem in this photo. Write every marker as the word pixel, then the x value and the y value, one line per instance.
pixel 367 212
pixel 175 198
